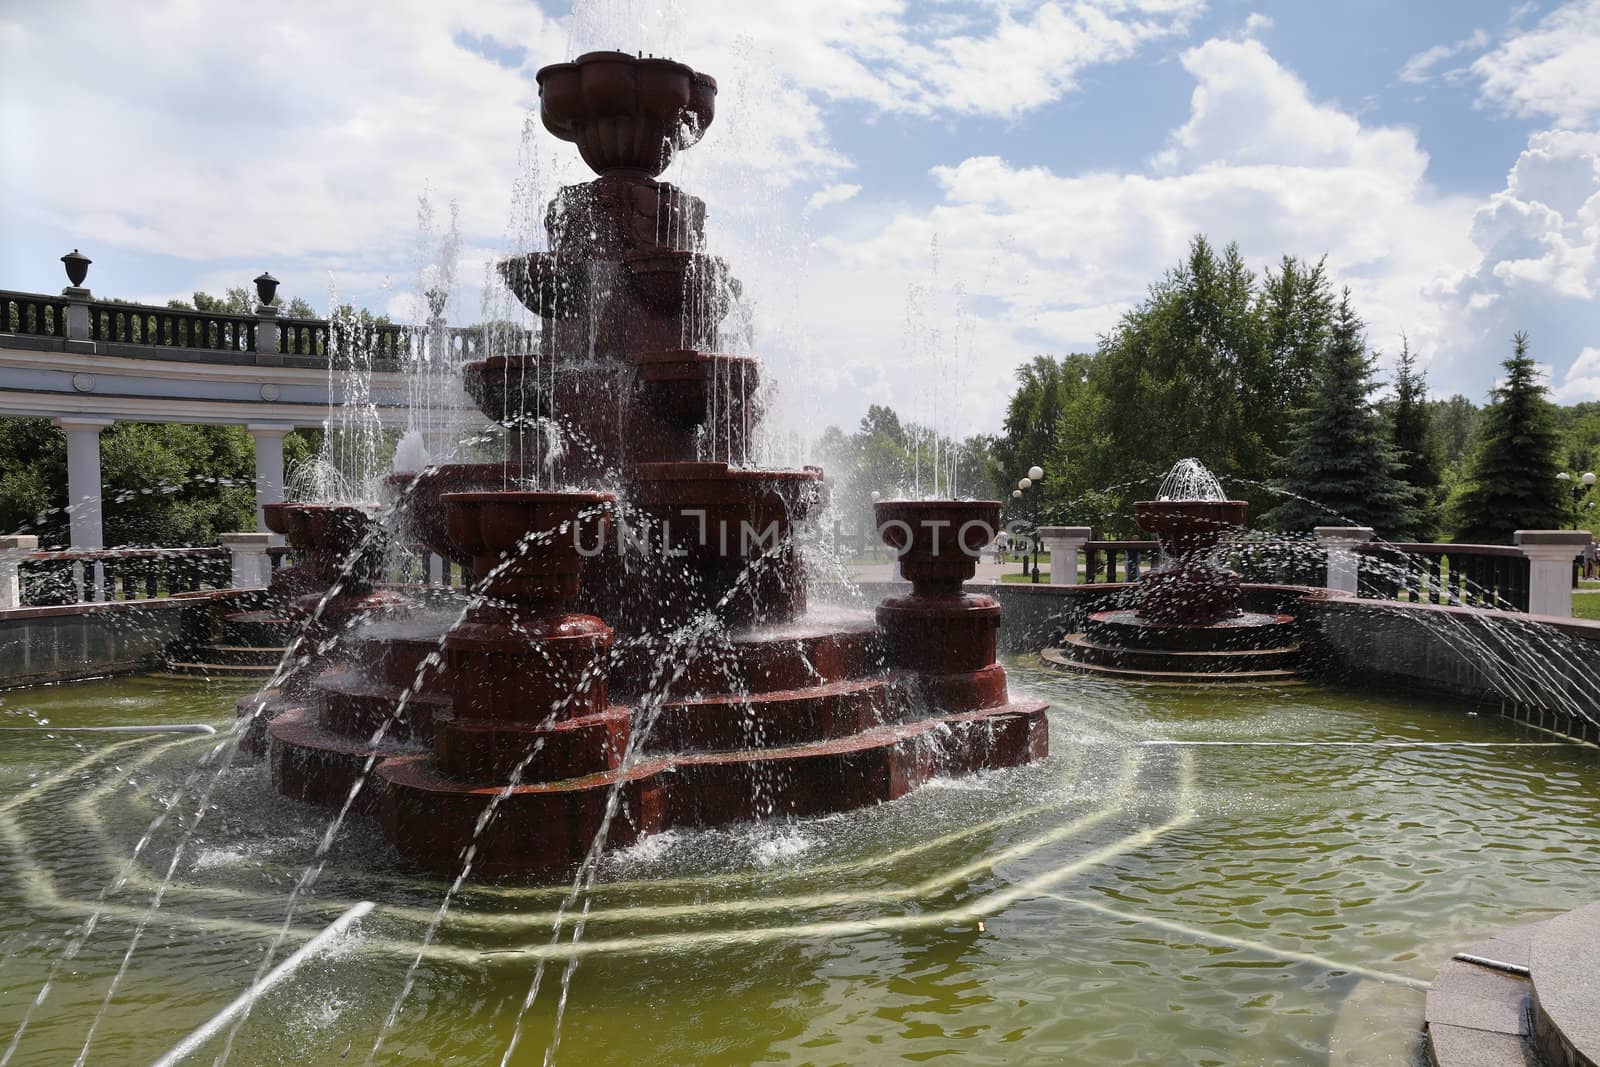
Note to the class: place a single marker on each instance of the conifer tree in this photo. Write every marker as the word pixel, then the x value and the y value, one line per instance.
pixel 1343 469
pixel 1511 484
pixel 1411 430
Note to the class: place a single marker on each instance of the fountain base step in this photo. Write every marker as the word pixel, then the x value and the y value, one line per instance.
pixel 1212 675
pixel 727 721
pixel 1249 630
pixel 313 764
pixel 204 666
pixel 1081 649
pixel 546 828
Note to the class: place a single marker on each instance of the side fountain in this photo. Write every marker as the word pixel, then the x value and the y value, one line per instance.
pixel 1187 625
pixel 636 642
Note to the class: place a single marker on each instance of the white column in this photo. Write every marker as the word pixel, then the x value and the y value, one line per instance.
pixel 268 437
pixel 1344 563
pixel 1064 543
pixel 251 568
pixel 83 499
pixel 1550 554
pixel 83 478
pixel 13 550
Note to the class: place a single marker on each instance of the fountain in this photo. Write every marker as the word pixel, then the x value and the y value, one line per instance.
pixel 639 647
pixel 1187 625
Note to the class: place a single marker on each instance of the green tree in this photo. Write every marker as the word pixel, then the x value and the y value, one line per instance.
pixel 1411 431
pixel 1045 387
pixel 1212 364
pixel 1343 468
pixel 1511 483
pixel 1455 422
pixel 161 484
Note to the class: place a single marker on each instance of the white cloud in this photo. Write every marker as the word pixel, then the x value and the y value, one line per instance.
pixel 1582 380
pixel 1050 260
pixel 1550 69
pixel 837 193
pixel 1419 69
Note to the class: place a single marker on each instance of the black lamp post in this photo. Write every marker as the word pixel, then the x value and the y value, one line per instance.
pixel 266 288
pixel 1023 485
pixel 77 265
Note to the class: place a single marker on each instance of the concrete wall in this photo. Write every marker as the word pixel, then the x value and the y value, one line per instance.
pixel 83 640
pixel 1537 669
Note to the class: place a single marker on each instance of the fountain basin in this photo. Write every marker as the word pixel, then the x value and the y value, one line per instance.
pixel 626 114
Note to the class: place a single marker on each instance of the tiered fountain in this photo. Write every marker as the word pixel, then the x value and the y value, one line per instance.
pixel 1188 626
pixel 640 647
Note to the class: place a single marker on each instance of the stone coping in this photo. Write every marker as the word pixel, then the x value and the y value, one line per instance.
pixel 107 607
pixel 1566 987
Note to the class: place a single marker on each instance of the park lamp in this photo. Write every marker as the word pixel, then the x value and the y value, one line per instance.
pixel 1035 472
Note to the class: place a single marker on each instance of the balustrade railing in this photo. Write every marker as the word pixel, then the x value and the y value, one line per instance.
pixel 345 345
pixel 33 314
pixel 59 578
pixel 139 324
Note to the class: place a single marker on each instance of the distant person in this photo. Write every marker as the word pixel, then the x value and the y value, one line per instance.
pixel 1591 553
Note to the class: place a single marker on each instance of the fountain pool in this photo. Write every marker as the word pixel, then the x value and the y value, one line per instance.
pixel 1260 876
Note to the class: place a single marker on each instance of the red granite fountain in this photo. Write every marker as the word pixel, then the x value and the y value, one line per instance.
pixel 1187 625
pixel 635 653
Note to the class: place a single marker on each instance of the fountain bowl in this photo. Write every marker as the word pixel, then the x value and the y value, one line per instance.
pixel 938 541
pixel 527 545
pixel 419 499
pixel 1187 527
pixel 682 386
pixel 627 114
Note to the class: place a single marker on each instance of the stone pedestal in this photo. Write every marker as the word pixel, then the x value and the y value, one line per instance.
pixel 13 550
pixel 1063 543
pixel 1550 554
pixel 251 569
pixel 1344 564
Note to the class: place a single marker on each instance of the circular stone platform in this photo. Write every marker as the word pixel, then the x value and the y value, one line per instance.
pixel 1251 648
pixel 1529 996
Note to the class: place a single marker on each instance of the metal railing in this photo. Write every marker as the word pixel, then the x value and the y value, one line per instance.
pixel 1479 576
pixel 1100 556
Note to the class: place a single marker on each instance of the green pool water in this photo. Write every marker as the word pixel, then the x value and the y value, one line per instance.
pixel 1146 895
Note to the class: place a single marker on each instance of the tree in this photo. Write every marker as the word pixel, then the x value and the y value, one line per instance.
pixel 1455 421
pixel 160 484
pixel 1044 390
pixel 1343 469
pixel 1411 431
pixel 1511 484
pixel 1210 365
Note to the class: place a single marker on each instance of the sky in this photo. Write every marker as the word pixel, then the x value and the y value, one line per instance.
pixel 917 197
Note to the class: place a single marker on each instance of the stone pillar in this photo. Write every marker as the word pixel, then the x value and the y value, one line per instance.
pixel 83 498
pixel 268 437
pixel 77 317
pixel 1344 563
pixel 267 354
pixel 1063 543
pixel 83 478
pixel 1550 554
pixel 251 567
pixel 12 552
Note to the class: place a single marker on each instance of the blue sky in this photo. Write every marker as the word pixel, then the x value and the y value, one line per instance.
pixel 918 197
